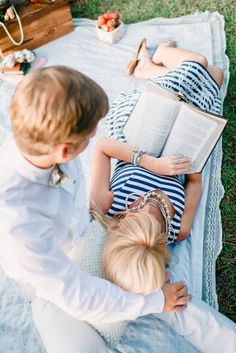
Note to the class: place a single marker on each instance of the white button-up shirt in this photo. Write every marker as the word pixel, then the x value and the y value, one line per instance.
pixel 38 225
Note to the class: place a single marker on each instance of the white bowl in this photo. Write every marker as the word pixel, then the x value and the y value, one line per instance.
pixel 111 37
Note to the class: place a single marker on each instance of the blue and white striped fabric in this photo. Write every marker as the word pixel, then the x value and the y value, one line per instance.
pixel 189 78
pixel 199 88
pixel 128 179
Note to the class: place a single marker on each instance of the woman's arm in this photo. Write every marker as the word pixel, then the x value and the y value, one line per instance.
pixel 108 148
pixel 192 196
pixel 99 193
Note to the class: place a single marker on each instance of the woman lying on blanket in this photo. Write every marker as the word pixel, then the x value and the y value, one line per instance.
pixel 146 206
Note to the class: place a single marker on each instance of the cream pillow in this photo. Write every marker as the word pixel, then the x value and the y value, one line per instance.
pixel 87 252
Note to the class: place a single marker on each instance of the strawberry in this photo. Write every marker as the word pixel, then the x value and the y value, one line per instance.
pixel 114 15
pixel 111 23
pixel 105 28
pixel 106 16
pixel 101 21
pixel 117 24
pixel 110 29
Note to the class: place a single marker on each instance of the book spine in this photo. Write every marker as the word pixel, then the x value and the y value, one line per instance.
pixel 25 68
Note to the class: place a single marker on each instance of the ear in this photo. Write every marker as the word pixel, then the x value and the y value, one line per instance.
pixel 65 151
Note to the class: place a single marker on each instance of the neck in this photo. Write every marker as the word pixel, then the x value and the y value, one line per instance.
pixel 155 211
pixel 43 162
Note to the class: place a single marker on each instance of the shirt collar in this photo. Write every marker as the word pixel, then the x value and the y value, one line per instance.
pixel 24 167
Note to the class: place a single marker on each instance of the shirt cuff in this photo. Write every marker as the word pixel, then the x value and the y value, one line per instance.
pixel 153 303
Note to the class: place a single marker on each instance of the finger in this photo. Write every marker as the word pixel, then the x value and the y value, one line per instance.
pixel 167 279
pixel 179 285
pixel 183 170
pixel 184 300
pixel 179 308
pixel 182 165
pixel 181 159
pixel 183 291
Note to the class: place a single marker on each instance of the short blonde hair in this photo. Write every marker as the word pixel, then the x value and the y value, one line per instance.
pixel 55 105
pixel 135 253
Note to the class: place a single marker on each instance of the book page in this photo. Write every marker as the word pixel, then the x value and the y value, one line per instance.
pixel 194 135
pixel 150 122
pixel 153 87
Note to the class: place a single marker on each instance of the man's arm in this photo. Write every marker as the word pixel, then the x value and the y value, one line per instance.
pixel 56 278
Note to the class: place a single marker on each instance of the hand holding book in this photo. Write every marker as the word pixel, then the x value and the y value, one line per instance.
pixel 169 165
pixel 163 125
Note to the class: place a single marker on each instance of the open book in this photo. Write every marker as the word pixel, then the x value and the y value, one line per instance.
pixel 163 124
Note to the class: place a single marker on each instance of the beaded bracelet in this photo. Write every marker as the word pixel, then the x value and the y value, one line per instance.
pixel 137 156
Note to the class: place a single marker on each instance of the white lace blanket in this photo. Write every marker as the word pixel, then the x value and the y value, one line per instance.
pixel 194 259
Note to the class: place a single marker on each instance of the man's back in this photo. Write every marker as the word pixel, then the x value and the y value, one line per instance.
pixel 36 210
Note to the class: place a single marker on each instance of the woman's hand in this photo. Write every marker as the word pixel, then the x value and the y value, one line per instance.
pixel 171 165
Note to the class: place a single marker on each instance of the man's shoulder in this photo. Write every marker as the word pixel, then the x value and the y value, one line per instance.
pixel 8 176
pixel 12 183
pixel 6 161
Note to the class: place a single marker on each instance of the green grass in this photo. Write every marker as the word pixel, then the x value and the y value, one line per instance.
pixel 139 10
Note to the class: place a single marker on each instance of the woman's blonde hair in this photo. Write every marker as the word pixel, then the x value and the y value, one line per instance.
pixel 55 105
pixel 135 253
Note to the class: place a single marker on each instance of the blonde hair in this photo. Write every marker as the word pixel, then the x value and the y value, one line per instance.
pixel 55 105
pixel 135 253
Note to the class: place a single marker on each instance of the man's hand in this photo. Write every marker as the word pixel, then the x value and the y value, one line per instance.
pixel 176 297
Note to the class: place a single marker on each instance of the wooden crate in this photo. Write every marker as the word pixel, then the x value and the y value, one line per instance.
pixel 42 22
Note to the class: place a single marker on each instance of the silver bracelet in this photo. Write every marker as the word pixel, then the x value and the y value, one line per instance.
pixel 137 156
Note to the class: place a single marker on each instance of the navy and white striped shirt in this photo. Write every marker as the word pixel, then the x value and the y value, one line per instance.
pixel 129 178
pixel 197 85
